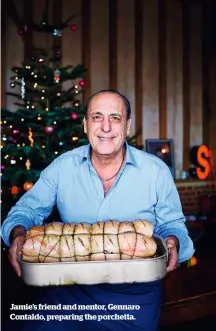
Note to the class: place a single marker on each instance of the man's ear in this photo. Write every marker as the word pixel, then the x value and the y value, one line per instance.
pixel 128 126
pixel 84 125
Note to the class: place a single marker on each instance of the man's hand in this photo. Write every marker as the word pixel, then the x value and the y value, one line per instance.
pixel 15 250
pixel 172 244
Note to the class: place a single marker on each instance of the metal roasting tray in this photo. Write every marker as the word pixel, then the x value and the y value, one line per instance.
pixel 96 272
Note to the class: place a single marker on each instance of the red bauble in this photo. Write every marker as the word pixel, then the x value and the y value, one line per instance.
pixel 82 83
pixel 49 129
pixel 73 27
pixel 14 190
pixel 74 116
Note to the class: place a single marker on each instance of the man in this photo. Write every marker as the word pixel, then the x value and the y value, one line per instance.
pixel 107 179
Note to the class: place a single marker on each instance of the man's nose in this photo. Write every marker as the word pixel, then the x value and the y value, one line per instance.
pixel 106 124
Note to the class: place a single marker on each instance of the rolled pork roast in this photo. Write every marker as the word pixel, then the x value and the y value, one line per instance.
pixel 71 242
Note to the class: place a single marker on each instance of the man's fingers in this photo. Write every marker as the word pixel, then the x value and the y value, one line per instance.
pixel 173 259
pixel 170 243
pixel 14 251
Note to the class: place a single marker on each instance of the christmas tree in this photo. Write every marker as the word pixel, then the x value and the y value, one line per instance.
pixel 48 119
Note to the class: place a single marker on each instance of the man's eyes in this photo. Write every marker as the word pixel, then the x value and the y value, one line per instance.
pixel 115 118
pixel 97 117
pixel 112 118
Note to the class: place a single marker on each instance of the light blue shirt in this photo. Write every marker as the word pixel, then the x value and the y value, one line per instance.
pixel 144 189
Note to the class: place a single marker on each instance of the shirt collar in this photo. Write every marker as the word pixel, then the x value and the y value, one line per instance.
pixel 130 155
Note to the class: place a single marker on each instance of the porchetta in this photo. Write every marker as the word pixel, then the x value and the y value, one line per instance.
pixel 74 242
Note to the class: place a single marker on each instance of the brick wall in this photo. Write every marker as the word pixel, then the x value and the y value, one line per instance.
pixel 190 192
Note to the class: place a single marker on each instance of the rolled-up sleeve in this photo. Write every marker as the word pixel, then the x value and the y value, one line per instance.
pixel 170 219
pixel 35 205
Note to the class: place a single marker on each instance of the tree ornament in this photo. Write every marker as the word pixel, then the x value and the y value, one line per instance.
pixel 27 185
pixel 28 164
pixel 57 33
pixel 15 131
pixel 41 60
pixel 73 27
pixel 82 83
pixel 49 129
pixel 57 76
pixel 30 135
pixel 74 116
pixel 14 190
pixel 22 88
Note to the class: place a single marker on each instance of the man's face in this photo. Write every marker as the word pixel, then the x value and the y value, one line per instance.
pixel 106 124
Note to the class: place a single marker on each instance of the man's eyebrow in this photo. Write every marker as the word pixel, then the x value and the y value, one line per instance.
pixel 96 112
pixel 116 114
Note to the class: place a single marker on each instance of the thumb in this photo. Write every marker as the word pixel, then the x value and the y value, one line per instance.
pixel 170 242
pixel 20 242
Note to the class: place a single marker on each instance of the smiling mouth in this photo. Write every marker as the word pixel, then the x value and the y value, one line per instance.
pixel 106 138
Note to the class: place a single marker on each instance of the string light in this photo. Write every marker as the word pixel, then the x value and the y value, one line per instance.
pixel 27 107
pixel 42 98
pixel 22 119
pixel 43 91
pixel 5 122
pixel 23 144
pixel 18 145
pixel 16 78
pixel 43 146
pixel 13 161
pixel 39 117
pixel 47 109
pixel 35 76
pixel 10 126
pixel 6 156
pixel 56 152
pixel 35 85
pixel 20 158
pixel 75 138
pixel 54 122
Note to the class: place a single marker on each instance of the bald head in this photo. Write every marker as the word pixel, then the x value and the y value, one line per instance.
pixel 123 98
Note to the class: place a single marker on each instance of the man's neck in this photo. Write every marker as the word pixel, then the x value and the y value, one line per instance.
pixel 99 160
